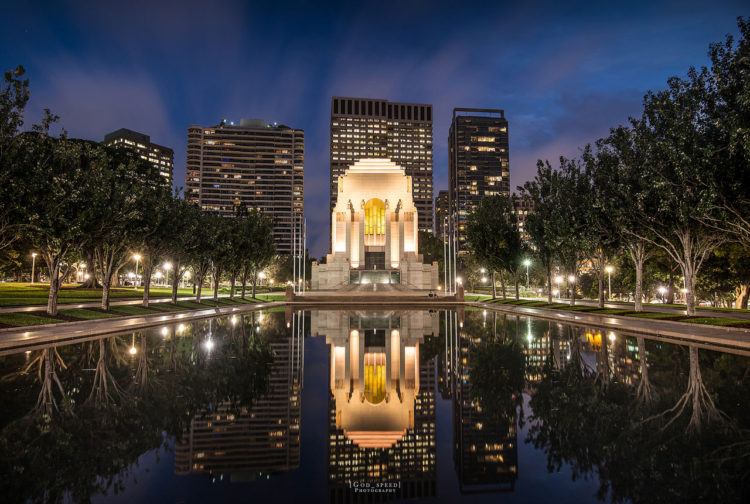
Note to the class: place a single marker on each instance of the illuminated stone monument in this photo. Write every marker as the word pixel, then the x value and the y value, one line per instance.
pixel 374 231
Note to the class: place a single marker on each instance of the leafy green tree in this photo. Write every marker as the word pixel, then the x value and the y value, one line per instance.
pixel 262 252
pixel 58 188
pixel 540 224
pixel 118 212
pixel 493 237
pixel 14 95
pixel 728 129
pixel 156 232
pixel 678 174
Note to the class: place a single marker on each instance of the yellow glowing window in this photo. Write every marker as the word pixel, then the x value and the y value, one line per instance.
pixel 375 217
pixel 374 377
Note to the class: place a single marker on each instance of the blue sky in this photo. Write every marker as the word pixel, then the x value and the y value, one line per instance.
pixel 564 72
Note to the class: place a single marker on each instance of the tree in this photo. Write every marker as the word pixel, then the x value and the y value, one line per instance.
pixel 123 187
pixel 601 236
pixel 728 119
pixel 14 95
pixel 539 223
pixel 262 250
pixel 57 191
pixel 493 237
pixel 156 231
pixel 678 175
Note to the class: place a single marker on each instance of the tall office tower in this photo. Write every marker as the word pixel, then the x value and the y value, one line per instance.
pixel 401 132
pixel 485 450
pixel 478 162
pixel 161 157
pixel 260 438
pixel 256 164
pixel 522 208
pixel 441 212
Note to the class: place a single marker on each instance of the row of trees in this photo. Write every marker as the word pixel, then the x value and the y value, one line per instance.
pixel 75 200
pixel 675 180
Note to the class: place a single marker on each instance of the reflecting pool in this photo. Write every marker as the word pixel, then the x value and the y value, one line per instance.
pixel 366 406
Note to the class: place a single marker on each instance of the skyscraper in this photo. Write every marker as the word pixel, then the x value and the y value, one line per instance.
pixel 161 157
pixel 256 164
pixel 441 212
pixel 401 132
pixel 478 162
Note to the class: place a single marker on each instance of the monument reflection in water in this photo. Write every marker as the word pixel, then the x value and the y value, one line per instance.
pixel 381 427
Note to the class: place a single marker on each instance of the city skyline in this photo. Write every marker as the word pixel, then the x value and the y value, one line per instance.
pixel 563 74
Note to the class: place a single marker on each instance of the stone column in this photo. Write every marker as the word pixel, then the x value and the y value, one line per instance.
pixel 387 235
pixel 362 235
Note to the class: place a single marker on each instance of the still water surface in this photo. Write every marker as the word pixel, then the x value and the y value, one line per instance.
pixel 353 406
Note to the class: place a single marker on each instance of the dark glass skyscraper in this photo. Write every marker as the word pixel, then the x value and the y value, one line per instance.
pixel 478 164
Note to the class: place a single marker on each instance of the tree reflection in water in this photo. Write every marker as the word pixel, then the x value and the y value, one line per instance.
pixel 89 426
pixel 666 440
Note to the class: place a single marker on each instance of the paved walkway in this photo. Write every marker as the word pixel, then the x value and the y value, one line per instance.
pixel 734 337
pixel 118 302
pixel 82 329
pixel 646 307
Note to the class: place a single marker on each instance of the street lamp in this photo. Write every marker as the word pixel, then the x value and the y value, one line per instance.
pixel 662 291
pixel 33 263
pixel 572 280
pixel 609 269
pixel 558 279
pixel 527 262
pixel 137 258
pixel 167 267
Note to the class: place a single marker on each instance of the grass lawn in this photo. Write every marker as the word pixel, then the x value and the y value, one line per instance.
pixel 612 311
pixel 720 321
pixel 132 310
pixel 23 294
pixel 84 314
pixel 654 315
pixel 25 319
pixel 271 297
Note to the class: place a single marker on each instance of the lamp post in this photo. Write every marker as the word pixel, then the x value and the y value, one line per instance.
pixel 609 269
pixel 167 267
pixel 572 280
pixel 662 291
pixel 137 258
pixel 33 263
pixel 558 279
pixel 527 262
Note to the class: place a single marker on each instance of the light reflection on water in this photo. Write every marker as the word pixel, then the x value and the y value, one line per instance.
pixel 361 406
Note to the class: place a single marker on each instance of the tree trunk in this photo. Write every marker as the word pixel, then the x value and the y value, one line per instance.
pixel 231 286
pixel 670 285
pixel 148 268
pixel 217 276
pixel 742 294
pixel 515 280
pixel 572 287
pixel 199 281
pixel 494 287
pixel 502 284
pixel 244 282
pixel 255 281
pixel 174 282
pixel 53 265
pixel 549 283
pixel 600 277
pixel 689 275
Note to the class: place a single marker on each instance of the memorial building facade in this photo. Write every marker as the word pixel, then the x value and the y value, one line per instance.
pixel 374 231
